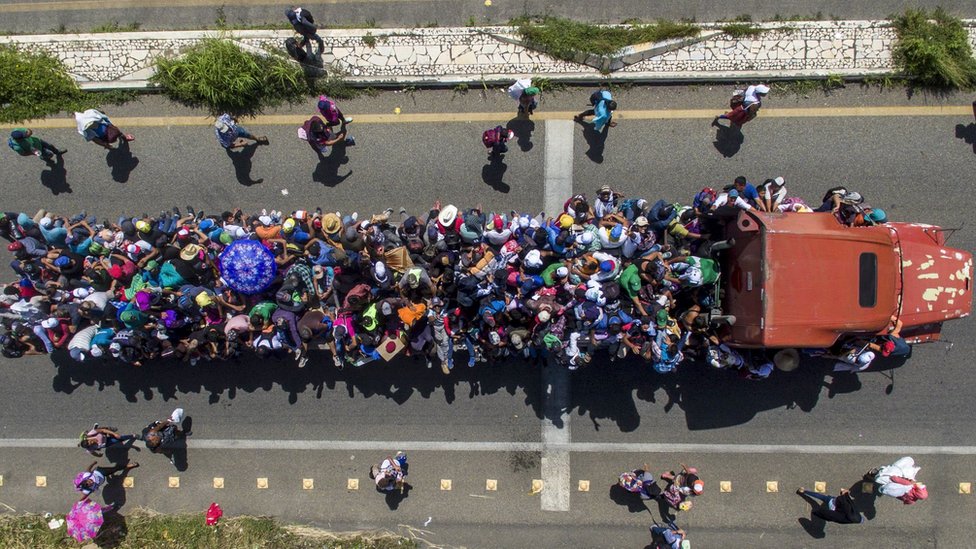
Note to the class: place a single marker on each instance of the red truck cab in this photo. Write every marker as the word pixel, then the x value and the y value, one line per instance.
pixel 805 280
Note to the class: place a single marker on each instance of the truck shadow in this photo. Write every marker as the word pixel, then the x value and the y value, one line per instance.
pixel 602 391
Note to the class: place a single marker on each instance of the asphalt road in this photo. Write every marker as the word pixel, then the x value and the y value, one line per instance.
pixel 483 423
pixel 21 17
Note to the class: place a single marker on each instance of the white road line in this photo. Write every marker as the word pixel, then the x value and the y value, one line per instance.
pixel 558 174
pixel 558 186
pixel 502 446
pixel 555 439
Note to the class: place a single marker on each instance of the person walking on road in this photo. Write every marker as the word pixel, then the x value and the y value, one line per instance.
pixel 304 24
pixel 602 111
pixel 89 481
pixel 389 474
pixel 95 126
pixel 840 509
pixel 744 105
pixel 671 536
pixel 526 95
pixel 320 136
pixel 99 438
pixel 898 481
pixel 231 135
pixel 23 142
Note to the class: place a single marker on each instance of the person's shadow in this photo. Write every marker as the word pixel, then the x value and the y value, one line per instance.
pixel 597 141
pixel 968 132
pixel 122 161
pixel 327 170
pixel 396 496
pixel 493 173
pixel 523 128
pixel 56 177
pixel 243 163
pixel 728 139
pixel 622 497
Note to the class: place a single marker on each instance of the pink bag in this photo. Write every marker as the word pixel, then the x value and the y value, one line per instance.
pixel 213 514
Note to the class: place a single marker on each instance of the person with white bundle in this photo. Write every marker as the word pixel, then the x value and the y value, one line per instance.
pixel 898 481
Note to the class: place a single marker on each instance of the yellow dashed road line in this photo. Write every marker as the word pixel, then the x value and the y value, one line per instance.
pixel 434 118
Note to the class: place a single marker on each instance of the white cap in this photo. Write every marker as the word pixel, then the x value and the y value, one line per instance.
pixel 45 222
pixel 81 293
pixel 95 351
pixel 760 88
pixel 533 259
pixel 865 358
pixel 265 220
pixel 779 181
pixel 49 323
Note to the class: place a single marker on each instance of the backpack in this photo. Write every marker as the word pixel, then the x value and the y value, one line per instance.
pixel 328 109
pixel 492 137
pixel 294 51
pixel 18 147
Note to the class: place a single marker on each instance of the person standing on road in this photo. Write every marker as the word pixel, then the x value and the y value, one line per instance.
pixel 304 24
pixel 99 438
pixel 320 136
pixel 602 111
pixel 230 135
pixel 23 142
pixel 840 509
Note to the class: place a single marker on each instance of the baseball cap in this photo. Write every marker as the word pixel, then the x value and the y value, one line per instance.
pixel 662 318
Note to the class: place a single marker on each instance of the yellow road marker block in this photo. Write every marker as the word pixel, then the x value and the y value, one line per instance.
pixel 446 484
pixel 128 482
pixel 772 486
pixel 491 485
pixel 308 484
pixel 725 486
pixel 40 481
pixel 537 486
pixel 584 486
pixel 820 486
pixel 966 488
pixel 218 483
pixel 174 482
pixel 352 484
pixel 262 483
pixel 1 480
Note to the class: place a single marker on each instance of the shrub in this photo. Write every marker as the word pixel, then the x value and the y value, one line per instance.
pixel 933 50
pixel 34 85
pixel 218 75
pixel 741 30
pixel 564 38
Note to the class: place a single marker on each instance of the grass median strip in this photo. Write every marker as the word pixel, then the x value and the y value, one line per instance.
pixel 143 528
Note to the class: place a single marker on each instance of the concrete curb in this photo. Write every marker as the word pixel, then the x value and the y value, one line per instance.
pixel 807 50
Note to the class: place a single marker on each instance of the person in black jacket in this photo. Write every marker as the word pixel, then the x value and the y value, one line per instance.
pixel 304 24
pixel 840 509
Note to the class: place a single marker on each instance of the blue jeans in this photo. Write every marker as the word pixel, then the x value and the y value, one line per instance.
pixel 828 500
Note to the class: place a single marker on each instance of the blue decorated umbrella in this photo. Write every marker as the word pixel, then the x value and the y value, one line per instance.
pixel 247 266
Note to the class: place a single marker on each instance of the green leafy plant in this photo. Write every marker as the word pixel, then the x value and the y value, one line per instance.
pixel 565 39
pixel 34 84
pixel 741 30
pixel 460 88
pixel 369 40
pixel 933 50
pixel 219 75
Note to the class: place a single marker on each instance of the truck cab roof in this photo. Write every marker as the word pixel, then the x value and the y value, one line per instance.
pixel 805 280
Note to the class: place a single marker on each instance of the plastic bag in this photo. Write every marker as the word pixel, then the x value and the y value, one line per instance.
pixel 213 514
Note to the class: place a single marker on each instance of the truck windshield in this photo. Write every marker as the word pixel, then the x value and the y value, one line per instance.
pixel 867 295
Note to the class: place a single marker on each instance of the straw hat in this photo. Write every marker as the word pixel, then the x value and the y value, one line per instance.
pixel 331 223
pixel 787 360
pixel 448 215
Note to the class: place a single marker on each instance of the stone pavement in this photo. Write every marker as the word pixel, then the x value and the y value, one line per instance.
pixel 481 55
